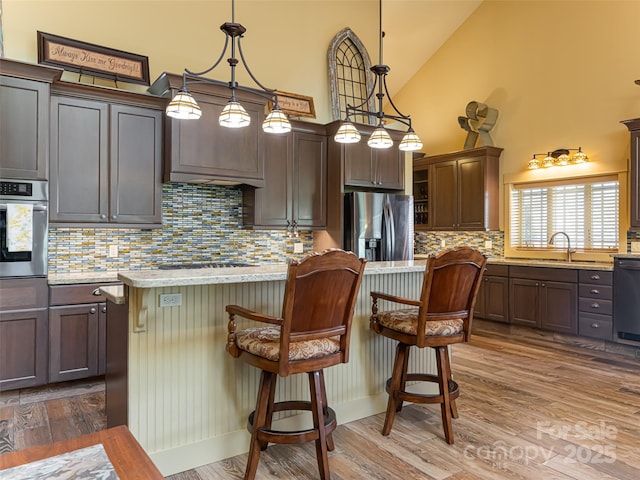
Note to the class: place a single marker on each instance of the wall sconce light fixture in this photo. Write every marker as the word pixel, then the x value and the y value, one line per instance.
pixel 558 158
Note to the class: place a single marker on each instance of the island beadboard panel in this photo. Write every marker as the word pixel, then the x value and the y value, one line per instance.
pixel 189 399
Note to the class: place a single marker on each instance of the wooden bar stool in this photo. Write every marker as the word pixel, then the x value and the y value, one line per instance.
pixel 441 317
pixel 312 334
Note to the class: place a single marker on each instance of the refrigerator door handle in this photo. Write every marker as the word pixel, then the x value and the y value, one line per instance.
pixel 389 237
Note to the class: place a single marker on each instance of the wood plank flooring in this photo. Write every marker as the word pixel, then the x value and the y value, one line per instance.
pixel 530 408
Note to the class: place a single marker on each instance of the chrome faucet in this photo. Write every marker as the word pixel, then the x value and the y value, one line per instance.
pixel 569 251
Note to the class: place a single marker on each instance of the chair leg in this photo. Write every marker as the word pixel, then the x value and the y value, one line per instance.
pixel 268 420
pixel 454 408
pixel 444 373
pixel 267 384
pixel 325 404
pixel 317 409
pixel 398 378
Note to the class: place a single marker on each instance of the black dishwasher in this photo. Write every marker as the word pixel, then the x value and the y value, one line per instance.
pixel 626 299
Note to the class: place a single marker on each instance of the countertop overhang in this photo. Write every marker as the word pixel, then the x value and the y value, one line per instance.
pixel 262 273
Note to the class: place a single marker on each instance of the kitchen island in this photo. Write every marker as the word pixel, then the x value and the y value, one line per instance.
pixel 185 399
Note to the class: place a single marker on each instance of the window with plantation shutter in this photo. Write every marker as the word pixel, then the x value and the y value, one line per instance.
pixel 586 210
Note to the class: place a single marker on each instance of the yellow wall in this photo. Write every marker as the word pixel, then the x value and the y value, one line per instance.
pixel 285 44
pixel 560 73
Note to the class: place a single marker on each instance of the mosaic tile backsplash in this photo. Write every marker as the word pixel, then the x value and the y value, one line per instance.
pixel 203 223
pixel 200 223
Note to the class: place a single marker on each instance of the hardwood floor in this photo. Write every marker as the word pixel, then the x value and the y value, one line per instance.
pixel 529 408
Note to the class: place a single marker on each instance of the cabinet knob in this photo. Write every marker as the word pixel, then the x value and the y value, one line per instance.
pixel 595 325
pixel 595 305
pixel 96 292
pixel 595 291
pixel 543 285
pixel 92 310
pixel 113 217
pixel 595 277
pixel 104 309
pixel 103 217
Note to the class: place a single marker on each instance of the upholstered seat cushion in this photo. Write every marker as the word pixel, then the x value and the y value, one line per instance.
pixel 265 342
pixel 406 321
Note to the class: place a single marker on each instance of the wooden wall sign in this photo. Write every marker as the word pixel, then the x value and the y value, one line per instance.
pixel 295 104
pixel 89 59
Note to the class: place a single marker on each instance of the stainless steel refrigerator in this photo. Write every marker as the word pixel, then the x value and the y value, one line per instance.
pixel 379 226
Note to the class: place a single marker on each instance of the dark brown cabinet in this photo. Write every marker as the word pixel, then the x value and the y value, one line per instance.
pixel 295 191
pixel 77 332
pixel 24 110
pixel 595 304
pixel 544 298
pixel 106 161
pixel 462 189
pixel 201 150
pixel 23 333
pixel 492 302
pixel 366 167
pixel 634 172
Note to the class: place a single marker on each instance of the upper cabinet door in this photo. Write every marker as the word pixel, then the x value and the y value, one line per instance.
pixel 310 180
pixel 389 167
pixel 135 165
pixel 470 191
pixel 24 132
pixel 358 165
pixel 443 195
pixel 79 184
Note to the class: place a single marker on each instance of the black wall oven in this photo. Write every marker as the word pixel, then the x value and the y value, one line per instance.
pixel 25 263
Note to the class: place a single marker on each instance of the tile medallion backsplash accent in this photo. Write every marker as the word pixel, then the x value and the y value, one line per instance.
pixel 200 223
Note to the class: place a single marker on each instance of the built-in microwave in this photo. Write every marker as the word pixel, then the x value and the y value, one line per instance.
pixel 30 261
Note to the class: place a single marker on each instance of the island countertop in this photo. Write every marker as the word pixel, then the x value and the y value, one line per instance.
pixel 261 273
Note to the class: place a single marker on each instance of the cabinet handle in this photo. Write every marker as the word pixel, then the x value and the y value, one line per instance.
pixel 595 291
pixel 92 310
pixel 595 277
pixel 595 305
pixel 96 292
pixel 595 325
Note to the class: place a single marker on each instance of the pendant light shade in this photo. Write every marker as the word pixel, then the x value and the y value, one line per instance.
pixel 276 122
pixel 234 115
pixel 558 158
pixel 184 107
pixel 380 138
pixel 410 142
pixel 347 133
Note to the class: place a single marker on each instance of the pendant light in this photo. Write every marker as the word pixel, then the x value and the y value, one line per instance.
pixel 380 138
pixel 184 106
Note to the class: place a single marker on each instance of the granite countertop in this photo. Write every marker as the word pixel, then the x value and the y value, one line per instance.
pixel 579 265
pixel 83 277
pixel 262 273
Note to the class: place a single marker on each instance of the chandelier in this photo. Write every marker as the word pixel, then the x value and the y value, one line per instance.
pixel 558 158
pixel 380 138
pixel 184 106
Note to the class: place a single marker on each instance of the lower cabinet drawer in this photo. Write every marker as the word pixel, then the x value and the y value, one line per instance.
pixel 594 325
pixel 595 305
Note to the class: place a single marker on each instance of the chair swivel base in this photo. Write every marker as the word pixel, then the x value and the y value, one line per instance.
pixel 412 397
pixel 294 436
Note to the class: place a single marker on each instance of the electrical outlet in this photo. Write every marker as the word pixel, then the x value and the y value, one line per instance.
pixel 298 247
pixel 113 251
pixel 635 247
pixel 443 243
pixel 170 299
pixel 488 244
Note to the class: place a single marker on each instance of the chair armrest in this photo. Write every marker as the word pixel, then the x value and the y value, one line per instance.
pixel 393 298
pixel 251 315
